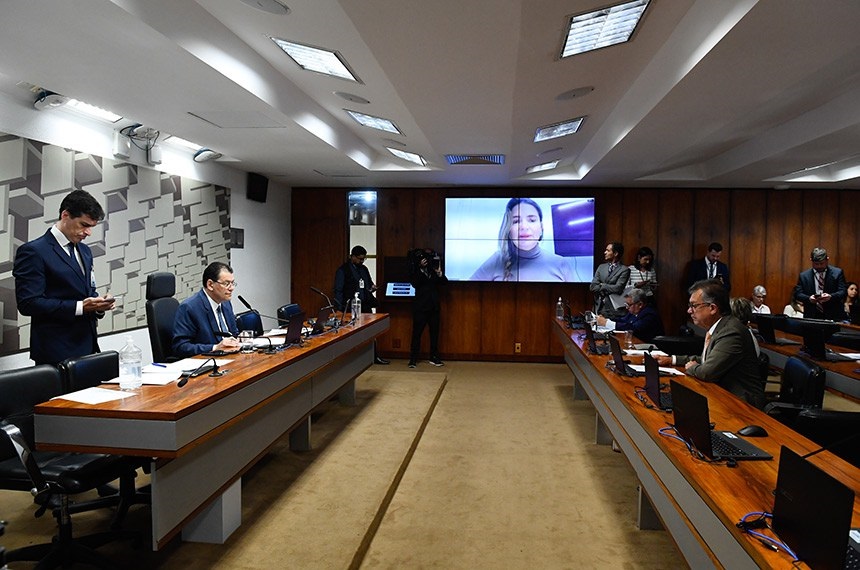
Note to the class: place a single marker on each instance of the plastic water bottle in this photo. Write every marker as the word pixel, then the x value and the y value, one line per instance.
pixel 559 309
pixel 129 366
pixel 356 308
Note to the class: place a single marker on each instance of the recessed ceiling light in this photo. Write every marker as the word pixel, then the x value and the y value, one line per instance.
pixel 541 167
pixel 173 139
pixel 93 111
pixel 351 97
pixel 316 59
pixel 410 156
pixel 558 130
pixel 374 122
pixel 602 28
pixel 574 93
pixel 270 6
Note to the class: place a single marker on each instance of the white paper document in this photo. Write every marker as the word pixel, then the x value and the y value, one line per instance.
pixel 670 371
pixel 94 396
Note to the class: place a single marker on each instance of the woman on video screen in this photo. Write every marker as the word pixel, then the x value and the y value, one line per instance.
pixel 520 257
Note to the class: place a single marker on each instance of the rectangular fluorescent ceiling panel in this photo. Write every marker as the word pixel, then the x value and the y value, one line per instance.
pixel 485 159
pixel 410 156
pixel 93 111
pixel 558 130
pixel 173 139
pixel 374 122
pixel 603 28
pixel 316 59
pixel 541 167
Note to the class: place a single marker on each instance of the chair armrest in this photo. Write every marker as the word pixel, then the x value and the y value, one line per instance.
pixel 40 486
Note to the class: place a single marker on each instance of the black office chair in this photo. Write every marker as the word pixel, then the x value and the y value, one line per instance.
pixel 846 340
pixel 836 430
pixel 285 312
pixel 161 310
pixel 86 372
pixel 250 321
pixel 802 387
pixel 680 345
pixel 51 477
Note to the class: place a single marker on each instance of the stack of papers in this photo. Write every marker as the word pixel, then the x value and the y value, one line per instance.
pixel 157 374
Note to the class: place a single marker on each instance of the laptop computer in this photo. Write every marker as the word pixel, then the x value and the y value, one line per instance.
pixel 812 514
pixel 663 400
pixel 767 330
pixel 693 424
pixel 322 319
pixel 593 347
pixel 294 329
pixel 621 367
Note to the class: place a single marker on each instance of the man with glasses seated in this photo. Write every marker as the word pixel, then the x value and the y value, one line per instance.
pixel 729 357
pixel 203 318
pixel 641 317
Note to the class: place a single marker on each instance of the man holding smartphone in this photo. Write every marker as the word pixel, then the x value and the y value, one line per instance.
pixel 55 284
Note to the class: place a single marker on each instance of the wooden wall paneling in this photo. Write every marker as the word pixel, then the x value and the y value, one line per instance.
pixel 785 257
pixel 319 243
pixel 748 226
pixel 849 240
pixel 500 327
pixel 429 219
pixel 673 211
pixel 535 306
pixel 820 224
pixel 463 320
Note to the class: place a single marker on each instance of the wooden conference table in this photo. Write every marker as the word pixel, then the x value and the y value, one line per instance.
pixel 699 503
pixel 203 437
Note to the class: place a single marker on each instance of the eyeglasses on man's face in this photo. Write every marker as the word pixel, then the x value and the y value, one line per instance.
pixel 694 306
pixel 227 284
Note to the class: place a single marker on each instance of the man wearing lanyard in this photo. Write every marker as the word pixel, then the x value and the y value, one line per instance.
pixel 710 267
pixel 822 288
pixel 205 321
pixel 55 285
pixel 353 277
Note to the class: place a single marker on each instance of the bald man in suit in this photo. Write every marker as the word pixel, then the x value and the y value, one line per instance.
pixel 55 285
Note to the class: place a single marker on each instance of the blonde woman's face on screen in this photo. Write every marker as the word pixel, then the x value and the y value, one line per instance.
pixel 526 227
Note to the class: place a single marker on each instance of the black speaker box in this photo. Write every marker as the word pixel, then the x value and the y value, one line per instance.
pixel 258 186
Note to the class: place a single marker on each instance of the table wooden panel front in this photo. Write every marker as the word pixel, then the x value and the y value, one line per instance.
pixel 204 436
pixel 699 503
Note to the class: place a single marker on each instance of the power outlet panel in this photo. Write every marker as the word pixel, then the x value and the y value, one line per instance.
pixel 518 347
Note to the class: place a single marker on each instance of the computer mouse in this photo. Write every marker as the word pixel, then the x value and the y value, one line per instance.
pixel 752 431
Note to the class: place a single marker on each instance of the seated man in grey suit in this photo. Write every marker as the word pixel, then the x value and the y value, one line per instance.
pixel 729 357
pixel 610 279
pixel 205 321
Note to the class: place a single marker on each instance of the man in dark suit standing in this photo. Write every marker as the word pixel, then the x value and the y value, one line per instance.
pixel 729 357
pixel 710 267
pixel 822 289
pixel 203 318
pixel 353 277
pixel 55 284
pixel 610 279
pixel 425 276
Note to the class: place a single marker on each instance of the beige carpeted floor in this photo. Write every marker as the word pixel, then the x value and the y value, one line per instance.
pixel 474 465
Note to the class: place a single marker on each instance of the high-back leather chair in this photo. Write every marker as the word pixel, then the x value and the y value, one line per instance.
pixel 839 431
pixel 250 321
pixel 161 310
pixel 285 312
pixel 802 387
pixel 51 477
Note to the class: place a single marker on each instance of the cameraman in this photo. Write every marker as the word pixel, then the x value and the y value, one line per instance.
pixel 425 270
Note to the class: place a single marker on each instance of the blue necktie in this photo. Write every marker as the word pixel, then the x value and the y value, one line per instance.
pixel 221 324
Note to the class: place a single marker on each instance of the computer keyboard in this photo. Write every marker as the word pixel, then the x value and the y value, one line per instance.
pixel 852 559
pixel 723 448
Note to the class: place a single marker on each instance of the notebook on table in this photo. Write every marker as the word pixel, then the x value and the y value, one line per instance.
pixel 593 347
pixel 812 514
pixel 661 399
pixel 693 424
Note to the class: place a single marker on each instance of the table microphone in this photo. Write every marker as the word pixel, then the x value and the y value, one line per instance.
pixel 199 370
pixel 330 304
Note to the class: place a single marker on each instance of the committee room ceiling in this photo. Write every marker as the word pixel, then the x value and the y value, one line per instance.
pixel 735 93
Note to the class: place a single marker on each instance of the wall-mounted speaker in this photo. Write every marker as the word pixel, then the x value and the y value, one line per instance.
pixel 258 186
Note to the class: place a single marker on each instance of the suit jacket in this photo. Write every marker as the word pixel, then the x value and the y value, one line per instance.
pixel 427 297
pixel 607 283
pixel 48 285
pixel 834 283
pixel 731 361
pixel 195 325
pixel 645 325
pixel 699 272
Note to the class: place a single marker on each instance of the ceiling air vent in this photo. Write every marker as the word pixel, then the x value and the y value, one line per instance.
pixel 475 158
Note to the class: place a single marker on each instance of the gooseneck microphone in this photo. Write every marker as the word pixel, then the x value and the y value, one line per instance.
pixel 252 309
pixel 330 304
pixel 204 367
pixel 831 445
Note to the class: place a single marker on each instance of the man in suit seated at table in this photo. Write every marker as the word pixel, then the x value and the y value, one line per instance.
pixel 641 317
pixel 822 288
pixel 203 319
pixel 729 357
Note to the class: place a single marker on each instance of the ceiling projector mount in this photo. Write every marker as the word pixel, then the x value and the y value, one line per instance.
pixel 49 100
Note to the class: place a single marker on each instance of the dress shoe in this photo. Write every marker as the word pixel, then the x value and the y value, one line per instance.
pixel 380 360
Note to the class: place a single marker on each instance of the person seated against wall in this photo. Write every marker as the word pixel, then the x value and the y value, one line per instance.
pixel 729 357
pixel 642 273
pixel 758 306
pixel 794 308
pixel 852 304
pixel 203 319
pixel 641 317
pixel 743 310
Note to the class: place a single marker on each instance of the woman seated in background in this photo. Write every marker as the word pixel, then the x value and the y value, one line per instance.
pixel 742 309
pixel 852 304
pixel 794 308
pixel 642 273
